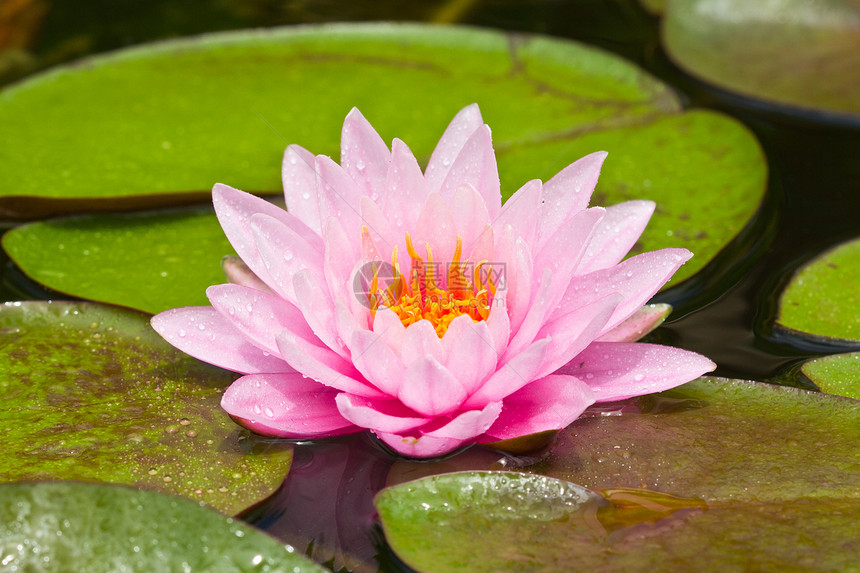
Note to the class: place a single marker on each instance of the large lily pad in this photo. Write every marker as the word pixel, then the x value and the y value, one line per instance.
pixel 797 52
pixel 92 393
pixel 712 476
pixel 88 527
pixel 152 124
pixel 149 261
pixel 836 374
pixel 719 440
pixel 823 297
pixel 513 522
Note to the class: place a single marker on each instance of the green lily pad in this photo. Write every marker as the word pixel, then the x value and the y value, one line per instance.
pixel 90 527
pixel 138 127
pixel 797 52
pixel 823 297
pixel 836 374
pixel 92 393
pixel 711 476
pixel 148 261
pixel 719 440
pixel 535 523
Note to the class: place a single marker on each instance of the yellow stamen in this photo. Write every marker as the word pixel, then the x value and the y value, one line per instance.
pixel 424 298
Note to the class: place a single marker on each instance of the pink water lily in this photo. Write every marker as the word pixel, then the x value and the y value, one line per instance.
pixel 418 306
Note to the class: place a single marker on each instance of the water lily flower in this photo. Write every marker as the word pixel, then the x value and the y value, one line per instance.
pixel 418 306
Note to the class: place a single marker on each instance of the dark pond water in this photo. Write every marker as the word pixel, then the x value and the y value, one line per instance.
pixel 726 312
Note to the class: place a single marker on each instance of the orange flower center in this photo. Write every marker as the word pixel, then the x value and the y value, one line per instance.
pixel 434 293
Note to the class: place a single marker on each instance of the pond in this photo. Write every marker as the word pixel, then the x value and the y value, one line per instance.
pixel 749 151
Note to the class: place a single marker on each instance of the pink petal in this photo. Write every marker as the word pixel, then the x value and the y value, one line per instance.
pixel 285 406
pixel 237 272
pixel 464 124
pixel 472 357
pixel 363 154
pixel 520 211
pixel 535 317
pixel 435 227
pixel 339 196
pixel 284 253
pixel 378 415
pixel 638 324
pixel 615 235
pixel 470 217
pixel 323 365
pixel 550 403
pixel 388 326
pixel 377 362
pixel 300 188
pixel 234 209
pixel 430 389
pixel 510 377
pixel 420 340
pixel 571 333
pixel 619 370
pixel 568 193
pixel 406 190
pixel 259 316
pixel 500 329
pixel 345 323
pixel 481 248
pixel 317 308
pixel 462 430
pixel 563 251
pixel 476 165
pixel 379 228
pixel 339 260
pixel 514 252
pixel 204 334
pixel 456 329
pixel 636 279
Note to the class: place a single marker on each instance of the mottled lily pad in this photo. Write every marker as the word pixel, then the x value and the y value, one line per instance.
pixel 68 526
pixel 713 476
pixel 797 52
pixel 147 261
pixel 92 393
pixel 836 374
pixel 719 440
pixel 823 297
pixel 181 116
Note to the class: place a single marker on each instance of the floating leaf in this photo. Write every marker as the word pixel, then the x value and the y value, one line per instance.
pixel 823 297
pixel 92 393
pixel 836 374
pixel 89 527
pixel 148 261
pixel 711 476
pixel 181 116
pixel 797 52
pixel 719 440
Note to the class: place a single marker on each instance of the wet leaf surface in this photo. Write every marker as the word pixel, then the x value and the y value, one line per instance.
pixel 836 374
pixel 92 393
pixel 147 261
pixel 822 298
pixel 797 52
pixel 69 526
pixel 713 476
